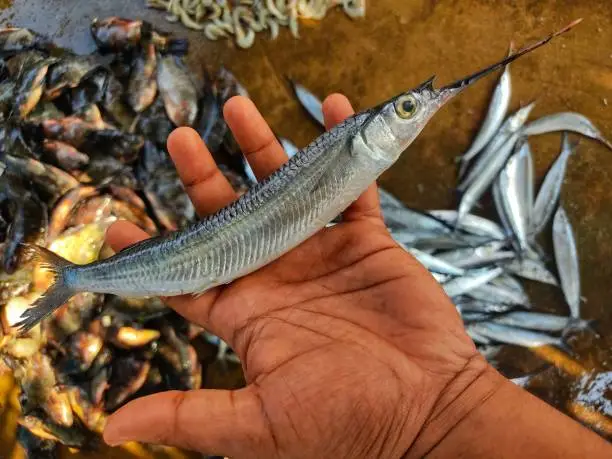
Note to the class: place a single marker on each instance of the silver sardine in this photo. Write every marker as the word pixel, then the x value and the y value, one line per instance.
pixel 512 335
pixel 531 269
pixel 566 256
pixel 535 321
pixel 471 223
pixel 498 107
pixel 311 103
pixel 466 284
pixel 566 121
pixel 513 199
pixel 499 294
pixel 271 218
pixel 550 190
pixel 460 256
pixel 512 125
pixel 481 184
pixel 435 264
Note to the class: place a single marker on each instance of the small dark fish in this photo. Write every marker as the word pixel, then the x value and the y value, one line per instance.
pixel 83 347
pixel 24 60
pixel 142 87
pixel 68 436
pixel 178 92
pixel 122 145
pixel 60 216
pixel 154 124
pixel 93 417
pixel 29 224
pixel 128 376
pixel 91 137
pixel 35 447
pixel 45 111
pixel 64 155
pixel 14 40
pixel 139 217
pixel 114 104
pixel 118 34
pixel 91 90
pixel 102 168
pixel 138 308
pixel 91 113
pixel 30 87
pixel 67 74
pixel 7 96
pixel 92 210
pixel 74 315
pixel 71 129
pixel 99 385
pixel 53 180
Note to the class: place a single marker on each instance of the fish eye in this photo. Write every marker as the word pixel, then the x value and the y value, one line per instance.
pixel 406 106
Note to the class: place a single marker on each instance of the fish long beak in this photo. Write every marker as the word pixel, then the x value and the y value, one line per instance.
pixel 451 90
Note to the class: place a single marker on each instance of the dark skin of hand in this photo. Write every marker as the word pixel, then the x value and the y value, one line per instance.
pixel 349 347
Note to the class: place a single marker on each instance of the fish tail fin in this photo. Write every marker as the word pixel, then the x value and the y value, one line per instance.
pixel 55 296
pixel 177 46
pixel 577 324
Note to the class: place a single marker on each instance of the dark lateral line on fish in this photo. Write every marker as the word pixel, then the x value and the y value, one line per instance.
pixel 478 75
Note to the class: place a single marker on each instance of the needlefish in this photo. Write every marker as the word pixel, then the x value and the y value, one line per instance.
pixel 272 217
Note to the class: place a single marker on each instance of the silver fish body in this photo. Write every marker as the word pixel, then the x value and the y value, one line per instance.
pixel 499 294
pixel 566 256
pixel 481 183
pixel 498 106
pixel 387 200
pixel 471 223
pixel 531 269
pixel 526 180
pixel 513 199
pixel 416 223
pixel 435 264
pixel 311 103
pixel 550 190
pixel 472 305
pixel 566 121
pixel 534 321
pixel 467 256
pixel 512 124
pixel 468 283
pixel 512 335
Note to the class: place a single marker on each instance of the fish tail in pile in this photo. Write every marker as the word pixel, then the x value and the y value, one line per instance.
pixel 55 296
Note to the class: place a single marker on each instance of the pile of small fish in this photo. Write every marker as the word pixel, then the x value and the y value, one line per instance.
pixel 242 19
pixel 478 261
pixel 82 144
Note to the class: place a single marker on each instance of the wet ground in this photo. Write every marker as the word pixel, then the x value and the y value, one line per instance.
pixel 399 45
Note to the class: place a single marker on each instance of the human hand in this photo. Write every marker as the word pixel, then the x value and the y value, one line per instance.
pixel 349 347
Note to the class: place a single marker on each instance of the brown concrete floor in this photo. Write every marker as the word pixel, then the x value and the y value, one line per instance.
pixel 399 45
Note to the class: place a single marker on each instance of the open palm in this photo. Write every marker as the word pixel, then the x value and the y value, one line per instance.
pixel 348 345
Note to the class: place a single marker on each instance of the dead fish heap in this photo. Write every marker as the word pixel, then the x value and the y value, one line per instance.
pixel 82 143
pixel 479 261
pixel 242 19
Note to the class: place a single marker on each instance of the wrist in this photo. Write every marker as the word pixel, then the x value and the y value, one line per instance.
pixel 472 388
pixel 482 414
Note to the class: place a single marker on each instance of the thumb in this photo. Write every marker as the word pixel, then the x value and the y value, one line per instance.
pixel 220 422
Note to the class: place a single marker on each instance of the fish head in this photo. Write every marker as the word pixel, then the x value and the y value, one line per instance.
pixel 393 125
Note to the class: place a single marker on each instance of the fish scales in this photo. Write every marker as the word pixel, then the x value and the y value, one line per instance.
pixel 219 248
